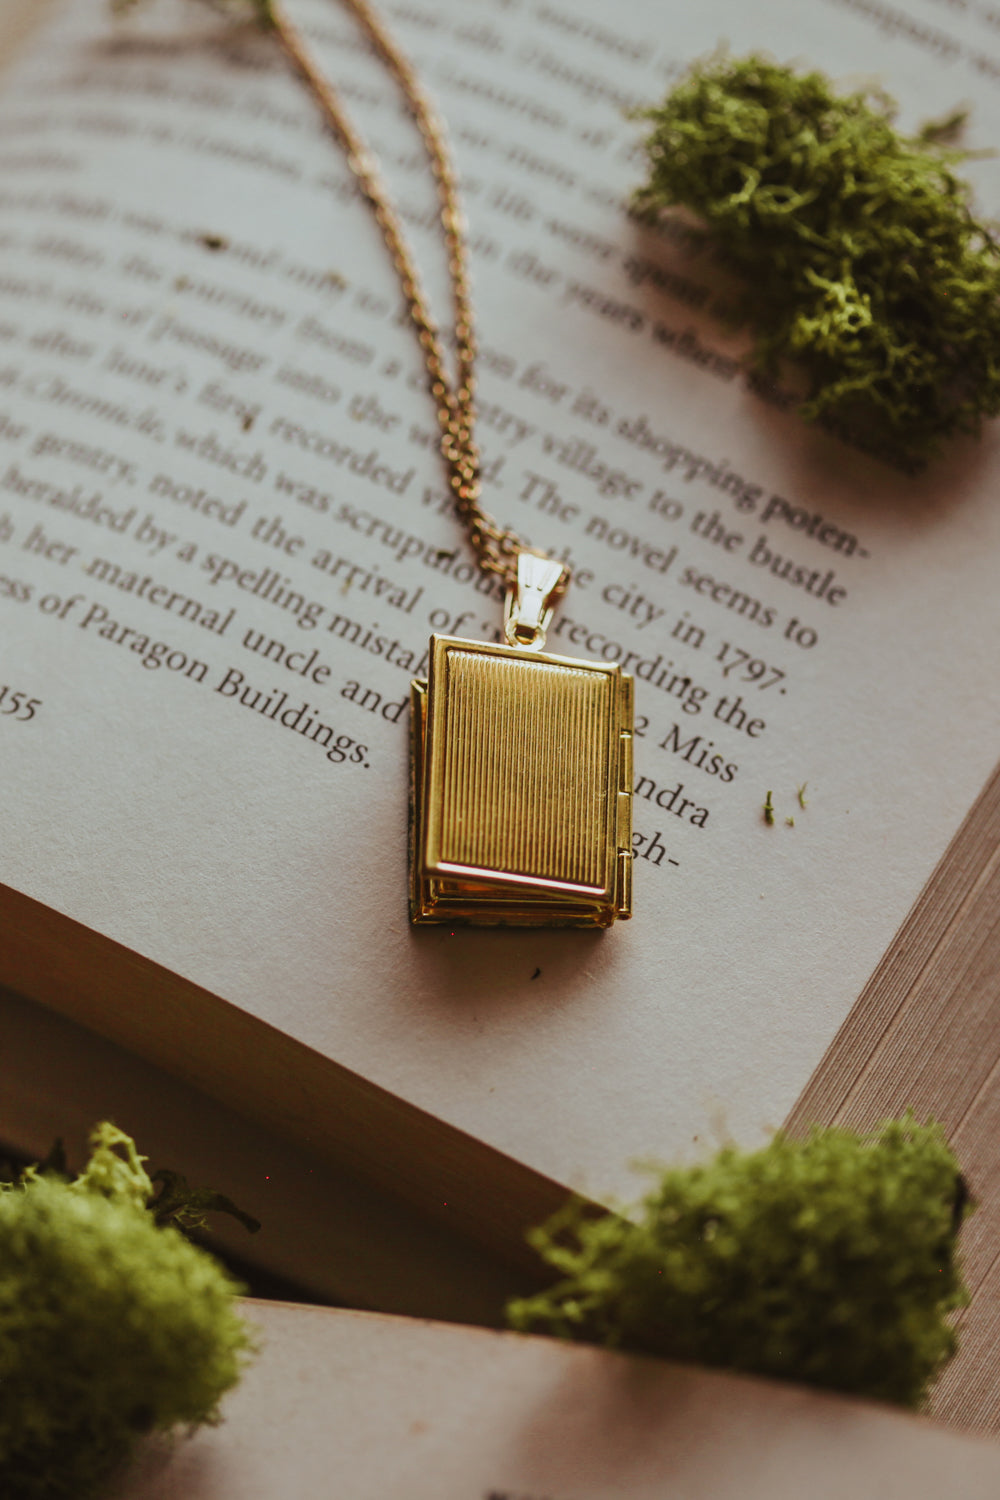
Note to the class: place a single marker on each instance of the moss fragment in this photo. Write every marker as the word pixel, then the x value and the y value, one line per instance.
pixel 184 1207
pixel 862 259
pixel 831 1261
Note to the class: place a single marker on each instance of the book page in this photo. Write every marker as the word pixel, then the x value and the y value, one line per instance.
pixel 225 539
pixel 407 1410
pixel 19 21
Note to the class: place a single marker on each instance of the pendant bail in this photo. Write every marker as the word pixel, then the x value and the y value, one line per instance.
pixel 532 597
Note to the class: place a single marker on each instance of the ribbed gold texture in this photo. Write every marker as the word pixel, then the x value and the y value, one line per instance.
pixel 525 785
pixel 520 789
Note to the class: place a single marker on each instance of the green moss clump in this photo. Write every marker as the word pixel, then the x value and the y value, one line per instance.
pixel 862 258
pixel 830 1261
pixel 109 1326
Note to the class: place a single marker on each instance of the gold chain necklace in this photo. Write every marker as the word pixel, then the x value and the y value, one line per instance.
pixel 521 761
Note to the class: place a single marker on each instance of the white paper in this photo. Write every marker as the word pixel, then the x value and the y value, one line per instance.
pixel 427 1411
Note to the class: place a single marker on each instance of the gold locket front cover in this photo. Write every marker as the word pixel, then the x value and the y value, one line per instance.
pixel 521 788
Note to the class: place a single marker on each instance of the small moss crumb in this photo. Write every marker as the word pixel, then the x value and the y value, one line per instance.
pixel 863 261
pixel 790 821
pixel 801 794
pixel 946 131
pixel 768 810
pixel 830 1261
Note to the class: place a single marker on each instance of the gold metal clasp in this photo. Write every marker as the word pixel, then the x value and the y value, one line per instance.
pixel 532 598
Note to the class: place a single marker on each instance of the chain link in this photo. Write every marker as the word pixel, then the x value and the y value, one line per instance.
pixel 496 548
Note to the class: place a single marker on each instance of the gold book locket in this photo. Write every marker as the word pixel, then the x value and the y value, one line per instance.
pixel 521 777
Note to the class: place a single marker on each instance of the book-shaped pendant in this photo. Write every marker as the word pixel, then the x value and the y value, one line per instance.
pixel 521 787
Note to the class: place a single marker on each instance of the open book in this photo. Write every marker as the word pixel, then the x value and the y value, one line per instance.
pixel 225 540
pixel 404 1410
